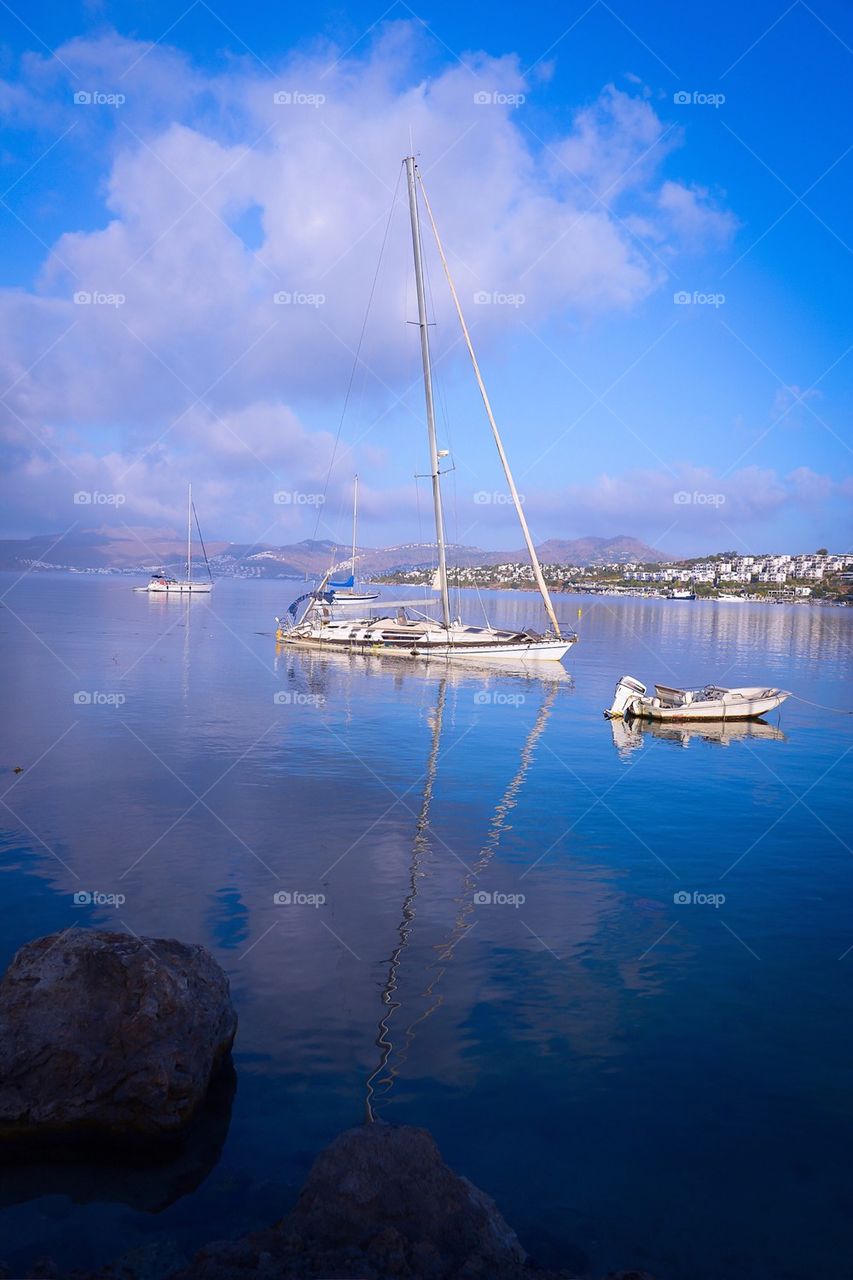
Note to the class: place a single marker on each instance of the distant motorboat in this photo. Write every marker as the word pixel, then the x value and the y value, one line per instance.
pixel 730 599
pixel 680 593
pixel 162 582
pixel 709 703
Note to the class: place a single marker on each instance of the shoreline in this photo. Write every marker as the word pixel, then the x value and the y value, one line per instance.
pixel 625 593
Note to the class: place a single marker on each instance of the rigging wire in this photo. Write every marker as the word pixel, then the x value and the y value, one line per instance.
pixel 201 540
pixel 357 358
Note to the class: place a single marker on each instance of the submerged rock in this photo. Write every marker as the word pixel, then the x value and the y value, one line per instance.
pixel 108 1035
pixel 379 1204
pixel 386 1189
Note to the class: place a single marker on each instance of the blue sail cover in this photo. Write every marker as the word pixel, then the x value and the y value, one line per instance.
pixel 297 602
pixel 342 586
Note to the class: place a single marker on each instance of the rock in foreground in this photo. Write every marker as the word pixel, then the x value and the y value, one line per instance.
pixel 104 1034
pixel 379 1204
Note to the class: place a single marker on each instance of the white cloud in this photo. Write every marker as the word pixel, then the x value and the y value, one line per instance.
pixel 190 153
pixel 693 217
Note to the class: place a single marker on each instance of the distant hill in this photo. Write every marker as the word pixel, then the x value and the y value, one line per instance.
pixel 141 550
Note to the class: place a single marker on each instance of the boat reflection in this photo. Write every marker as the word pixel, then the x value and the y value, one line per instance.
pixel 630 735
pixel 381 1079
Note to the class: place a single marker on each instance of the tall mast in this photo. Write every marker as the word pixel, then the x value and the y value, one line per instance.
pixel 531 550
pixel 190 534
pixel 354 521
pixel 430 411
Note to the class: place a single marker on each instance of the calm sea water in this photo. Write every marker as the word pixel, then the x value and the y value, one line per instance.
pixel 634 1079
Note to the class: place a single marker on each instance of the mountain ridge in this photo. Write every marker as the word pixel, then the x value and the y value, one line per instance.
pixel 130 551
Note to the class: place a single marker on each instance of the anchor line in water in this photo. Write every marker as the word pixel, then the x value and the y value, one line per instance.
pixel 842 711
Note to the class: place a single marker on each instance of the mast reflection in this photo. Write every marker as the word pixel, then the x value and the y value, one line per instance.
pixel 379 1084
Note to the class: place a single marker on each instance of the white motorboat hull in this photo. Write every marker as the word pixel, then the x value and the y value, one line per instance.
pixel 679 706
pixel 745 709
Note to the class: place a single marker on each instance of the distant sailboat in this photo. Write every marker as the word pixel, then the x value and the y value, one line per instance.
pixel 343 592
pixel 163 582
pixel 424 636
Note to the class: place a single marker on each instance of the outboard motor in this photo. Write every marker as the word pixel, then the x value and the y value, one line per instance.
pixel 627 691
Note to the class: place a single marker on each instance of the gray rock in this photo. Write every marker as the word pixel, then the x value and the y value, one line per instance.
pixel 382 1186
pixel 379 1204
pixel 107 1035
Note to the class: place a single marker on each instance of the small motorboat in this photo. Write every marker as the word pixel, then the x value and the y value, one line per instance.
pixel 709 703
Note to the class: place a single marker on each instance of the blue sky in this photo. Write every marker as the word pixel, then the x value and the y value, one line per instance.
pixel 589 165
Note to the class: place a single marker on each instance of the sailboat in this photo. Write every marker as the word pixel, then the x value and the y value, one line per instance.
pixel 344 592
pixel 161 581
pixel 407 633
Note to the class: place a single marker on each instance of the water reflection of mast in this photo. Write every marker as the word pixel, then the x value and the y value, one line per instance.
pixel 185 660
pixel 420 847
pixel 465 901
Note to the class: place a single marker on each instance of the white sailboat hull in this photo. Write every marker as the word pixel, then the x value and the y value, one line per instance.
pixel 178 588
pixel 425 640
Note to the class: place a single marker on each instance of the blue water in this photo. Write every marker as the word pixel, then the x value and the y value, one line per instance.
pixel 636 1081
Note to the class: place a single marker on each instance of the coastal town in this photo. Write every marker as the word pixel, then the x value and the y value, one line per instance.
pixel 819 577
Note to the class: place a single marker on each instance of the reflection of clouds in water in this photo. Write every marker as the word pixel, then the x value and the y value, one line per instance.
pixel 533 1040
pixel 228 918
pixel 730 639
pixel 323 796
